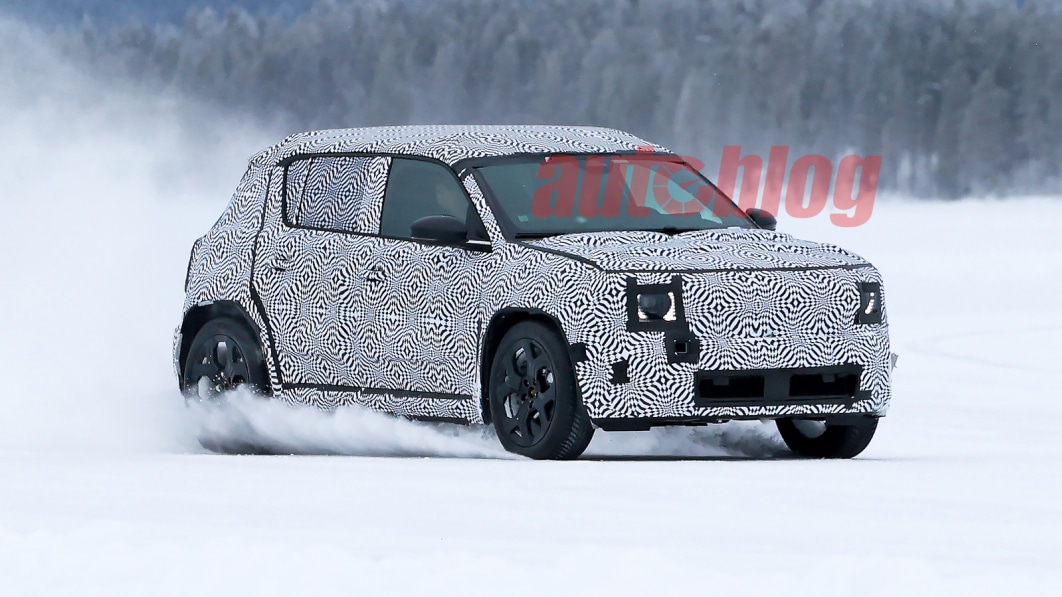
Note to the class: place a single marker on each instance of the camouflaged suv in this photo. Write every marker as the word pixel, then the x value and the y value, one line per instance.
pixel 547 280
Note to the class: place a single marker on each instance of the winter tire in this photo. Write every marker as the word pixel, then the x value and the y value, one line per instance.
pixel 818 439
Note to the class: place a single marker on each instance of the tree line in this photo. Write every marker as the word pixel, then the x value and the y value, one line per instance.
pixel 958 97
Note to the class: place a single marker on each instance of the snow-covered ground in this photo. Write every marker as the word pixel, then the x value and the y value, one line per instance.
pixel 105 491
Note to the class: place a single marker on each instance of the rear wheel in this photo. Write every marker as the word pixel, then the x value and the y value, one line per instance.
pixel 818 439
pixel 534 401
pixel 223 356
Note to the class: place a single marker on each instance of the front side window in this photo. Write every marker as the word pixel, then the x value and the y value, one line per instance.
pixel 562 194
pixel 418 188
pixel 334 193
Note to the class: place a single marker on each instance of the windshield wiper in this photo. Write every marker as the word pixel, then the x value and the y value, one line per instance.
pixel 669 230
pixel 538 234
pixel 672 230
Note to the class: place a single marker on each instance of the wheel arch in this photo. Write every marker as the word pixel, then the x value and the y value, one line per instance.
pixel 196 317
pixel 499 324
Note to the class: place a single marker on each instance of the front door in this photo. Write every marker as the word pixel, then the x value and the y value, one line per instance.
pixel 422 325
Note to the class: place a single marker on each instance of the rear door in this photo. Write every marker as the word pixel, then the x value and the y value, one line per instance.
pixel 312 265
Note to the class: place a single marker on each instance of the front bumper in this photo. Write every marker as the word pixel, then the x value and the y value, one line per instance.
pixel 842 374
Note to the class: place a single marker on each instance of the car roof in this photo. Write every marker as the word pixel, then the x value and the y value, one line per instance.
pixel 453 143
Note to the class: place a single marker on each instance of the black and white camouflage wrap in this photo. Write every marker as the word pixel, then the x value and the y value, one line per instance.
pixel 399 326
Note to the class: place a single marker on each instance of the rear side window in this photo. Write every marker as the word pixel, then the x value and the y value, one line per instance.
pixel 417 189
pixel 335 193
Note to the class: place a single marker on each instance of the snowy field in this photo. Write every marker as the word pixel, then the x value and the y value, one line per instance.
pixel 105 491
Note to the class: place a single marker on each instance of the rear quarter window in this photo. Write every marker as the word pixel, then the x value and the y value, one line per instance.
pixel 340 194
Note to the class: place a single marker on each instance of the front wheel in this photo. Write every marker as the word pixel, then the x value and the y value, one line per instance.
pixel 534 401
pixel 818 439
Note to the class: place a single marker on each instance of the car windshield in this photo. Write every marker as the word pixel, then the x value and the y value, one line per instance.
pixel 563 194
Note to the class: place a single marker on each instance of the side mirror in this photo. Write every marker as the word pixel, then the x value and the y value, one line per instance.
pixel 440 230
pixel 763 219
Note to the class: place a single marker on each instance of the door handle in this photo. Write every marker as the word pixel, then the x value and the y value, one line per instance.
pixel 282 253
pixel 375 274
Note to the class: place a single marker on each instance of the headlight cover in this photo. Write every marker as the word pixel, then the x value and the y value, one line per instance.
pixel 660 308
pixel 869 303
pixel 656 305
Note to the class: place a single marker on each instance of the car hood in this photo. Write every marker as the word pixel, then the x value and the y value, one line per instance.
pixel 725 249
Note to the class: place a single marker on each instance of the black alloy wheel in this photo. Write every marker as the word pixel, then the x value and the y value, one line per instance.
pixel 223 356
pixel 534 402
